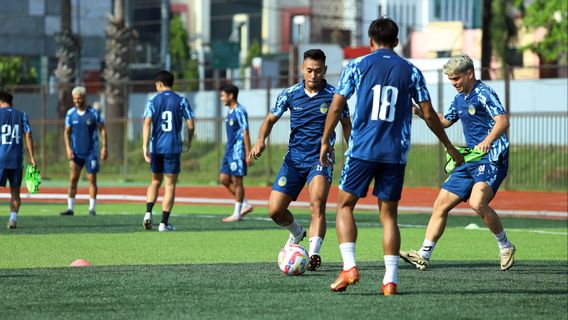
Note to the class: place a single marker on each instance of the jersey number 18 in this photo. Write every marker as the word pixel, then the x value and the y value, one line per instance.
pixel 384 103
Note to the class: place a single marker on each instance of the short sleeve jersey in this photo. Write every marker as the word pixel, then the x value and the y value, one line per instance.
pixel 84 131
pixel 307 120
pixel 476 112
pixel 167 110
pixel 236 122
pixel 385 85
pixel 13 125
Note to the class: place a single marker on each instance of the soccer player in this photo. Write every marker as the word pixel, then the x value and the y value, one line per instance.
pixel 14 124
pixel 385 85
pixel 484 124
pixel 237 149
pixel 163 121
pixel 308 102
pixel 81 136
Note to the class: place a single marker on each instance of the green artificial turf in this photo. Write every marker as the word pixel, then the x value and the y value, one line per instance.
pixel 208 269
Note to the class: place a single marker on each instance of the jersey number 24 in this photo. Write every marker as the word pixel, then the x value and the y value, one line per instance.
pixel 384 103
pixel 10 134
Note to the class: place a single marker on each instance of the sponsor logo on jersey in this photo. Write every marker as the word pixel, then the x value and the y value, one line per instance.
pixel 282 181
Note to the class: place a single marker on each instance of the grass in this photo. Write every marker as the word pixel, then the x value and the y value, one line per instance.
pixel 209 269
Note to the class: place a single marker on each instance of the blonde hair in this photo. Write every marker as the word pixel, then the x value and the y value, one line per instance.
pixel 79 91
pixel 458 64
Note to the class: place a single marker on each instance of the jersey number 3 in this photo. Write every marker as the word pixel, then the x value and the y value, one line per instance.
pixel 384 103
pixel 167 121
pixel 10 134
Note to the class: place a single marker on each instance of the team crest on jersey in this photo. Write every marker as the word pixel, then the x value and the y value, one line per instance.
pixel 471 109
pixel 231 122
pixel 323 107
pixel 89 121
pixel 282 181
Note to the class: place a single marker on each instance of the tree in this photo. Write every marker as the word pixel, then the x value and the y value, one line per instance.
pixel 552 15
pixel 119 43
pixel 183 66
pixel 16 70
pixel 68 47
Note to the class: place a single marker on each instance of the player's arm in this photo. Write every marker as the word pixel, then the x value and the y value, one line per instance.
pixel 67 139
pixel 333 115
pixel 30 146
pixel 346 125
pixel 433 121
pixel 145 137
pixel 190 131
pixel 104 152
pixel 246 138
pixel 263 133
pixel 501 125
pixel 418 111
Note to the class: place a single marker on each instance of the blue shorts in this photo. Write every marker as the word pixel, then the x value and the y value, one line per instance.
pixel 292 178
pixel 357 174
pixel 91 161
pixel 12 175
pixel 168 163
pixel 461 181
pixel 234 167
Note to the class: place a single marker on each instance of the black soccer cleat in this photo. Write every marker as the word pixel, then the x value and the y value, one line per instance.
pixel 315 262
pixel 67 212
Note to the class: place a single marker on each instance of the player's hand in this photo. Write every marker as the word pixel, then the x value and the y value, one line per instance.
pixel 146 155
pixel 327 156
pixel 484 146
pixel 257 150
pixel 417 111
pixel 456 155
pixel 33 162
pixel 249 161
pixel 104 153
pixel 70 154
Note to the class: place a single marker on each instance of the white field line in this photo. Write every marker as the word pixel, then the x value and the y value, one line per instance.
pixel 296 204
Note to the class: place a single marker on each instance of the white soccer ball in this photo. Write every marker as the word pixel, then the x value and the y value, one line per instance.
pixel 293 260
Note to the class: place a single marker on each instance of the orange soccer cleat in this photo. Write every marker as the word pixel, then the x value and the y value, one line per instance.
pixel 389 289
pixel 346 278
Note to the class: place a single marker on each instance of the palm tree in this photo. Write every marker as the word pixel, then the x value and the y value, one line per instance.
pixel 68 45
pixel 118 45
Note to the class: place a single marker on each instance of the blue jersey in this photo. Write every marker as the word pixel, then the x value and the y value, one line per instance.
pixel 236 123
pixel 167 110
pixel 307 120
pixel 14 124
pixel 476 111
pixel 84 131
pixel 385 84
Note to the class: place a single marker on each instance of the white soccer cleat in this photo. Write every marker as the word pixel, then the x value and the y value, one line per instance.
pixel 166 227
pixel 246 210
pixel 296 240
pixel 147 221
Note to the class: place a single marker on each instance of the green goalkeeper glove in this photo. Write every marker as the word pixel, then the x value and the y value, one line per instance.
pixel 32 178
pixel 469 155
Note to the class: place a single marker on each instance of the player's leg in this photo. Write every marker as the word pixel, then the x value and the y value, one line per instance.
pixel 287 186
pixel 14 176
pixel 456 188
pixel 481 195
pixel 353 184
pixel 171 171
pixel 237 184
pixel 319 183
pixel 92 167
pixel 157 169
pixel 75 167
pixel 229 170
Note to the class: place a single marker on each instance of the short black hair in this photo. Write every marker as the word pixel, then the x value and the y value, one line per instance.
pixel 315 54
pixel 229 88
pixel 166 78
pixel 384 31
pixel 6 97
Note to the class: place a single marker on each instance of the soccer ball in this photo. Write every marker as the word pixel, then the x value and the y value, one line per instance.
pixel 293 260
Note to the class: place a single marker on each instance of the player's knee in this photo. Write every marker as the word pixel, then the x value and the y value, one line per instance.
pixel 317 207
pixel 225 180
pixel 477 205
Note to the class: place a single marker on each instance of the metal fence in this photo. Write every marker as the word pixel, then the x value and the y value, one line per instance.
pixel 539 140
